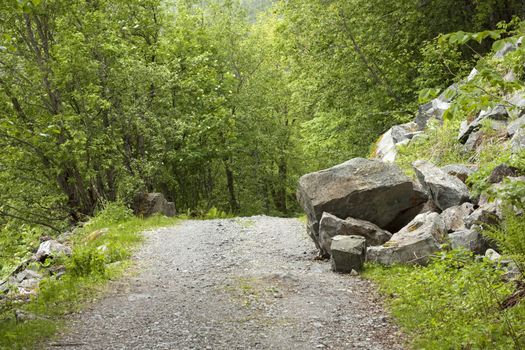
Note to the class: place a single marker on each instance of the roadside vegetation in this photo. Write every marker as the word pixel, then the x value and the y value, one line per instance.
pixel 463 301
pixel 102 249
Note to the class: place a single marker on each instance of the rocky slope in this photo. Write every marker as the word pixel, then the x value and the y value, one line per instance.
pixel 407 220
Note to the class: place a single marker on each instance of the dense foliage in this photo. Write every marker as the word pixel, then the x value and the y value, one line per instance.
pixel 103 100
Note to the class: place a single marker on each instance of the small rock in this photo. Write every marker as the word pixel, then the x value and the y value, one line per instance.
pixel 30 283
pixel 507 48
pixel 454 217
pixel 485 215
pixel 497 115
pixel 469 239
pixel 387 146
pixel 51 249
pixel 515 125
pixel 97 234
pixel 460 171
pixel 501 172
pixel 348 253
pixel 493 255
pixel 28 274
pixel 517 143
pixel 474 141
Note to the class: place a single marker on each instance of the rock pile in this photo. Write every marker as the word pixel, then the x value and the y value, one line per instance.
pixel 370 195
pixel 25 278
pixel 371 203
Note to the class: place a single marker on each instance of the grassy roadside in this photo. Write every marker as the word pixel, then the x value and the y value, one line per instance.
pixel 453 303
pixel 102 252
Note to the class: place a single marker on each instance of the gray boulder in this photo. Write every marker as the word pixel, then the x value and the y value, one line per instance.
pixel 415 243
pixel 474 141
pixel 469 239
pixel 515 125
pixel 446 190
pixel 331 226
pixel 501 172
pixel 454 217
pixel 516 104
pixel 493 255
pixel 497 115
pixel 51 249
pixel 436 108
pixel 398 134
pixel 363 189
pixel 348 253
pixel 460 171
pixel 517 143
pixel 149 204
pixel 486 215
pixel 507 48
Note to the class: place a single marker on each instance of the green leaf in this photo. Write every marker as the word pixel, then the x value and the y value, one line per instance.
pixel 498 45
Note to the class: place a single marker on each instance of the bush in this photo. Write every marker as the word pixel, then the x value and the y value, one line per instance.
pixel 510 236
pixel 112 213
pixel 87 261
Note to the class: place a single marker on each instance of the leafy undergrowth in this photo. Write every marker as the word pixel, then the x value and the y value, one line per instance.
pixel 99 256
pixel 453 303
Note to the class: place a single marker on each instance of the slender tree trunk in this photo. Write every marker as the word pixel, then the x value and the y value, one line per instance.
pixel 234 205
pixel 280 193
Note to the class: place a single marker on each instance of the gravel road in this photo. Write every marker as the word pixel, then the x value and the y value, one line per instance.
pixel 245 283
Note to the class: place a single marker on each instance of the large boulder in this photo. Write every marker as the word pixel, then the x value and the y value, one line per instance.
pixel 446 190
pixel 149 204
pixel 331 226
pixel 348 253
pixel 414 244
pixel 398 134
pixel 364 189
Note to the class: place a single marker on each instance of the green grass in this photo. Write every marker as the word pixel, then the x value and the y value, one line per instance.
pixel 438 145
pixel 89 269
pixel 452 304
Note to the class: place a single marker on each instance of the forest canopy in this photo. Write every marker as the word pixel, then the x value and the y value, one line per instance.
pixel 213 103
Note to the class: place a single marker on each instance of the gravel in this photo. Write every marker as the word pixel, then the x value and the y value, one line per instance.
pixel 245 283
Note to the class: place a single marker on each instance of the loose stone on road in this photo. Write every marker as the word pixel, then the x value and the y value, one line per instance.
pixel 244 283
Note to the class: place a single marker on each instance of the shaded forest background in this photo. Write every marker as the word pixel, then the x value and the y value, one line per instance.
pixel 216 104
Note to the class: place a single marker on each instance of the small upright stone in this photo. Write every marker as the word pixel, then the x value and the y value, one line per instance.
pixel 348 253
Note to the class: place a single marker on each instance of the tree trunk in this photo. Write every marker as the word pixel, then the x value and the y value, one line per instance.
pixel 234 205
